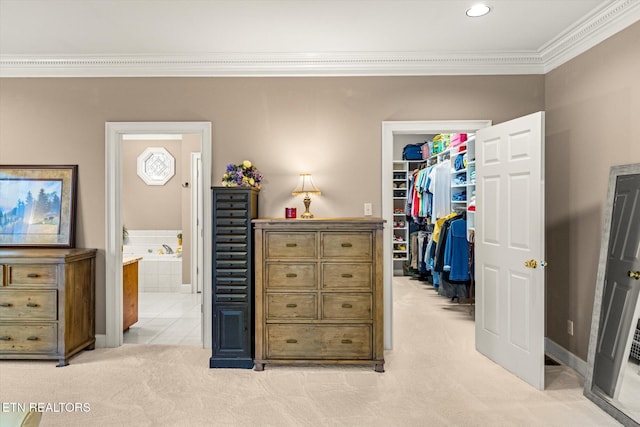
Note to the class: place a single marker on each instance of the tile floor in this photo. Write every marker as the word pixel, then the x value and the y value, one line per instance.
pixel 166 318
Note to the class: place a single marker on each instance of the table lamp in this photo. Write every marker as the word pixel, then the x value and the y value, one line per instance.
pixel 305 186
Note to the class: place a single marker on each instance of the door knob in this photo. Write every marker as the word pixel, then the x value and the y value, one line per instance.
pixel 532 263
pixel 634 274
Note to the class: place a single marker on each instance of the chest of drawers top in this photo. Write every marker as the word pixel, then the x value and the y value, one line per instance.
pixel 44 255
pixel 305 245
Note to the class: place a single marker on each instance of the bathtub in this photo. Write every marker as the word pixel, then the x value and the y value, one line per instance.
pixel 157 271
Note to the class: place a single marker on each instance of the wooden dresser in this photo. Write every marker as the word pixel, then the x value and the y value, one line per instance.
pixel 319 291
pixel 47 303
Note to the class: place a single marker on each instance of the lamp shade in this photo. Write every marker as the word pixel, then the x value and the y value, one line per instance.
pixel 305 185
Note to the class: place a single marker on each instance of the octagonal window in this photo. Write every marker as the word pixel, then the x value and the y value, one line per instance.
pixel 156 166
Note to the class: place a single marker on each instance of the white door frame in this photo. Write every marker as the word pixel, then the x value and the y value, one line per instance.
pixel 197 235
pixel 113 239
pixel 389 129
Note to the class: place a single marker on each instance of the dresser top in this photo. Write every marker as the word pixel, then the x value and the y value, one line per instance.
pixel 328 223
pixel 57 253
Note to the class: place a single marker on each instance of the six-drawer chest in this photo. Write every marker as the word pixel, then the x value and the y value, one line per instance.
pixel 319 291
pixel 47 303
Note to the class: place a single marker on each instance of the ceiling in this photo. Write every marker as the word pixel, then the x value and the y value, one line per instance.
pixel 299 37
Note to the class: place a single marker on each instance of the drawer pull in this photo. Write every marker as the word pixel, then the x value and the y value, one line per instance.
pixel 292 275
pixel 5 304
pixel 5 338
pixel 347 275
pixel 33 275
pixel 292 305
pixel 347 342
pixel 32 304
pixel 347 305
pixel 346 245
pixel 32 338
pixel 292 341
pixel 292 245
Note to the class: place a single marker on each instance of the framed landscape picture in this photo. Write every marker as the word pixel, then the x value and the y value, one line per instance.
pixel 38 206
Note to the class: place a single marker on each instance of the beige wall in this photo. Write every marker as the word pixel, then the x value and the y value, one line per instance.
pixel 331 127
pixel 151 207
pixel 593 122
pixel 327 126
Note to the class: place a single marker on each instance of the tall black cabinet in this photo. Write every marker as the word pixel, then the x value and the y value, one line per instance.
pixel 233 277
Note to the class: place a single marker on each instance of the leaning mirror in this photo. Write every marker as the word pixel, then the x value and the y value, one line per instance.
pixel 613 363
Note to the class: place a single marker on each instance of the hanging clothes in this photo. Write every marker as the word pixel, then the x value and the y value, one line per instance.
pixel 414 250
pixel 442 243
pixel 456 255
pixel 440 187
pixel 426 197
pixel 439 223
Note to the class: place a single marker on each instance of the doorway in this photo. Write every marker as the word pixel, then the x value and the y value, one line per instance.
pixel 113 287
pixel 157 211
pixel 389 131
pixel 513 153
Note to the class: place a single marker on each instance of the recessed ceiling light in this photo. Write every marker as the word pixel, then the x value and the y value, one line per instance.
pixel 478 10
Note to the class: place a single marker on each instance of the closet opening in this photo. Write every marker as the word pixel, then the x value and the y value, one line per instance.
pixel 432 235
pixel 434 212
pixel 408 232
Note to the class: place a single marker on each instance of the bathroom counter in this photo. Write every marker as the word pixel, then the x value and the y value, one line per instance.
pixel 129 291
pixel 130 259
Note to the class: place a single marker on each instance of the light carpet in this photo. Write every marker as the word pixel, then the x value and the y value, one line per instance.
pixel 434 377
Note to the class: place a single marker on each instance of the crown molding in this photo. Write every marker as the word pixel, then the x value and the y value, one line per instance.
pixel 602 23
pixel 594 28
pixel 277 64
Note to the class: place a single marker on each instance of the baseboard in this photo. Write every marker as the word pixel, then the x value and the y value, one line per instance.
pixel 565 357
pixel 101 340
pixel 185 288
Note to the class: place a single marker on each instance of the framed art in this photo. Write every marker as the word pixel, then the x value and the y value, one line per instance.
pixel 38 206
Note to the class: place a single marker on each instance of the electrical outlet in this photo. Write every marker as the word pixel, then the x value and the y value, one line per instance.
pixel 570 327
pixel 368 209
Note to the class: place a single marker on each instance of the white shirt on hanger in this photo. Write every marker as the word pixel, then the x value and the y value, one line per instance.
pixel 440 186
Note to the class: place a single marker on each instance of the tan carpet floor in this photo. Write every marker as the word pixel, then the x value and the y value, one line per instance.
pixel 434 377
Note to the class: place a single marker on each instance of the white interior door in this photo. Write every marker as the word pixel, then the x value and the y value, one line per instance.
pixel 510 249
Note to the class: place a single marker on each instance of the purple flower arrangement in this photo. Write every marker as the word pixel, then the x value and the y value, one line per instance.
pixel 243 175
